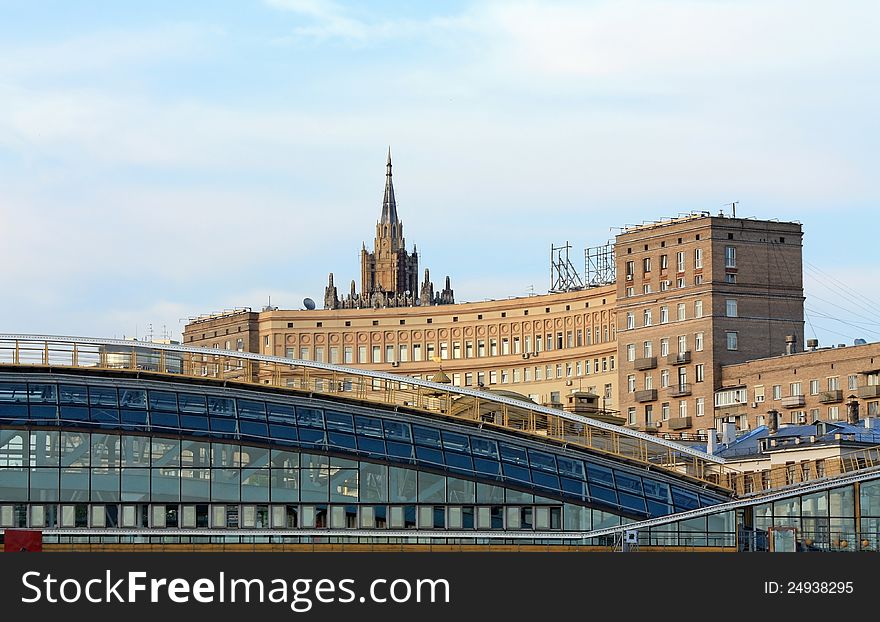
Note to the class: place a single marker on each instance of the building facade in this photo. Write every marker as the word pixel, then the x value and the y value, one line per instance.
pixel 803 387
pixel 695 294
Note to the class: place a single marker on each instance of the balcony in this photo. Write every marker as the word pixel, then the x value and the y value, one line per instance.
pixel 793 401
pixel 646 363
pixel 648 395
pixel 680 423
pixel 682 358
pixel 831 397
pixel 679 390
pixel 869 392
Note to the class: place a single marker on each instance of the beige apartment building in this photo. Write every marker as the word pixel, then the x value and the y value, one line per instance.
pixel 803 387
pixel 695 294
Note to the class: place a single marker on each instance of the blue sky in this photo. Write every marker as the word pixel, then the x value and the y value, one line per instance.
pixel 161 160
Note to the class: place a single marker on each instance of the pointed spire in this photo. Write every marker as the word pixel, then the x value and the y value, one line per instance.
pixel 389 205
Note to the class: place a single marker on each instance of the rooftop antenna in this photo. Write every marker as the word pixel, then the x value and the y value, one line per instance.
pixel 733 207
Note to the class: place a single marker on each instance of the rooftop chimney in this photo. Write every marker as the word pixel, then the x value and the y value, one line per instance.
pixel 712 444
pixel 773 421
pixel 728 433
pixel 790 344
pixel 812 344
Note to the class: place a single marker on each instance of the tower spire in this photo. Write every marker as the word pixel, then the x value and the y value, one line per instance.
pixel 389 205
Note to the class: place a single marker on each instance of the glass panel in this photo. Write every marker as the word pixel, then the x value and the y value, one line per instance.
pixel 840 502
pixel 787 507
pixel 14 448
pixel 540 460
pixel 285 484
pixel 136 399
pixel 42 393
pixel 459 463
pixel 135 484
pixel 105 485
pixel 344 485
pixel 515 496
pixel 487 467
pixel 456 442
pixel 44 448
pixel 815 504
pixel 309 417
pixel 279 412
pixel 75 449
pixel 368 426
pixel 571 467
pixel 486 493
pixel 339 421
pixel 14 483
pixel 248 409
pixel 514 454
pixel 287 459
pixel 255 484
pixel 432 488
pixel 224 455
pixel 632 502
pixel 191 403
pixel 429 456
pixel 74 484
pixel 599 474
pixel 373 483
pixel 460 490
pixel 684 500
pixel 428 437
pixel 195 484
pixel 576 518
pixel 630 483
pixel 77 394
pixel 601 493
pixel 314 484
pixel 135 451
pixel 484 447
pixel 165 485
pixel 225 484
pixel 221 406
pixel 44 484
pixel 103 396
pixel 401 485
pixel 397 430
pixel 869 498
pixel 163 401
pixel 165 452
pixel 546 480
pixel 516 473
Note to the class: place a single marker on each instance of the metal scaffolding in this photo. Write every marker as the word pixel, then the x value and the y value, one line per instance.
pixel 599 266
pixel 564 276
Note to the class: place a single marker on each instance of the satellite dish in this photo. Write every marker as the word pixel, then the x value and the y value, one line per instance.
pixel 309 304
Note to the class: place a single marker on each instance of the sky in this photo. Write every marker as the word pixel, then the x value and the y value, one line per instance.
pixel 163 160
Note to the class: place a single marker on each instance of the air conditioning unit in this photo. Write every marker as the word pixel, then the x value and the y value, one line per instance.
pixel 629 277
pixel 395 363
pixel 754 404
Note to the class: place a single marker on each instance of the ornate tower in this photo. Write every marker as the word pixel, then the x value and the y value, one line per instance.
pixel 389 270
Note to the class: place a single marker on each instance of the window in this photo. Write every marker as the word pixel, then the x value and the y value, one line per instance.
pixel 429 351
pixel 679 257
pixel 834 413
pixel 404 353
pixel 630 321
pixel 469 349
pixel 814 387
pixel 777 391
pixel 664 411
pixel 647 317
pixel 759 393
pixel 334 355
pixel 730 278
pixel 795 389
pixel 505 346
pixel 389 354
pixel 664 285
pixel 630 292
pixel 698 342
pixel 852 382
pixel 631 416
pixel 362 354
pixel 664 262
pixel 319 354
pixel 630 270
pixel 698 279
pixel 682 409
pixel 493 377
pixel 649 382
pixel 664 314
pixel 681 311
pixel 664 379
pixel 731 308
pixel 682 344
pixel 646 288
pixel 698 308
pixel 732 340
pixel 648 349
pixel 377 354
pixel 517 346
pixel 679 282
pixel 729 257
pixel 493 347
pixel 700 406
pixel 834 383
pixel 664 346
pixel 456 349
pixel 417 351
pixel 698 258
pixel 481 347
pixel 699 373
pixel 646 264
pixel 630 352
pixel 631 383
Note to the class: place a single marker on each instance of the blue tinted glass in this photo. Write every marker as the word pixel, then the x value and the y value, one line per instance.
pixel 403 451
pixel 161 400
pixel 221 406
pixel 517 473
pixel 44 413
pixel 280 412
pixel 134 417
pixel 102 396
pixel 279 431
pixel 599 474
pixel 309 417
pixel 546 480
pixel 632 502
pixel 484 447
pixel 429 456
pixel 13 393
pixel 512 453
pixel 15 412
pixel 656 490
pixel 190 403
pixel 339 439
pixel 459 462
pixel 684 500
pixel 104 415
pixel 708 501
pixel 573 487
pixel 655 508
pixel 193 422
pixel 603 494
pixel 42 393
pixel 74 413
pixel 570 466
pixel 426 436
pixel 254 410
pixel 371 445
pixel 339 421
pixel 164 420
pixel 397 430
pixel 456 442
pixel 73 394
pixel 487 467
pixel 132 398
pixel 368 426
pixel 255 428
pixel 222 424
pixel 628 482
pixel 542 461
pixel 309 436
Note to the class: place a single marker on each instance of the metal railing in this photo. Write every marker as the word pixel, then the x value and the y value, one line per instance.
pixel 371 386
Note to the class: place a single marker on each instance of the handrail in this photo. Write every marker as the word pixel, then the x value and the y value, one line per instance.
pixel 376 386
